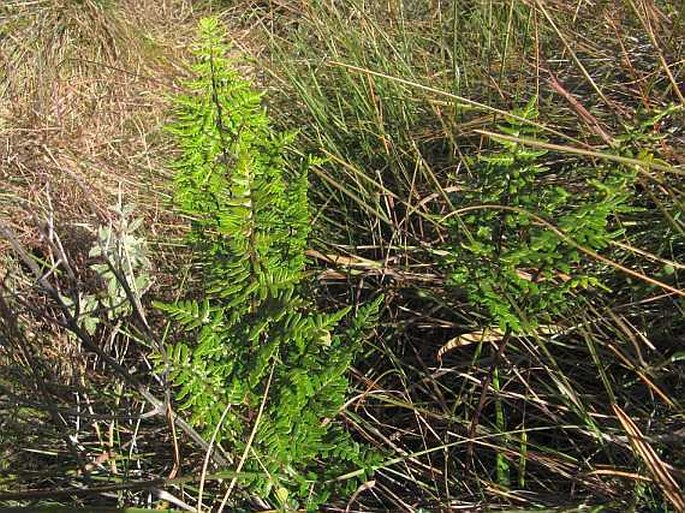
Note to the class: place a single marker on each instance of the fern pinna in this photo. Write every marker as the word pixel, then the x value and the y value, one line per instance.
pixel 252 336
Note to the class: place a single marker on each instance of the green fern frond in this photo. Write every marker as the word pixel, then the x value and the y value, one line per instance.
pixel 519 272
pixel 250 223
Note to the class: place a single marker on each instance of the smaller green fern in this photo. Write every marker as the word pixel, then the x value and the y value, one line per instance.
pixel 250 224
pixel 519 272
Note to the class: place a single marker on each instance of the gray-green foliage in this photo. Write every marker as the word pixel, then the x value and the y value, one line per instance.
pixel 121 260
pixel 512 264
pixel 251 330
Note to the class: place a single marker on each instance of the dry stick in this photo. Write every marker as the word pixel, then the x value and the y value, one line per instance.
pixel 80 492
pixel 174 437
pixel 205 463
pixel 647 255
pixel 575 58
pixel 72 325
pixel 570 242
pixel 580 109
pixel 134 301
pixel 152 484
pixel 73 411
pixel 243 458
pixel 629 64
pixel 368 485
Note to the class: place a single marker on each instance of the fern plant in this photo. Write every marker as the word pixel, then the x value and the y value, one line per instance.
pixel 252 337
pixel 513 266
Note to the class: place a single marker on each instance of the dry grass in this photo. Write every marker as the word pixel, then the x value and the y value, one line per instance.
pixel 81 110
pixel 84 87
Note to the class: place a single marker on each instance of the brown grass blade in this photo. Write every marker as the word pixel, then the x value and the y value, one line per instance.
pixel 655 465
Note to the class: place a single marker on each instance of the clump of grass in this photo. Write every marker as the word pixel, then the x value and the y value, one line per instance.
pixel 82 104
